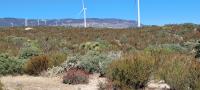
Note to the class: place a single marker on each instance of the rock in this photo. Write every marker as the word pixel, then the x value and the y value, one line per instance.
pixel 158 85
pixel 28 28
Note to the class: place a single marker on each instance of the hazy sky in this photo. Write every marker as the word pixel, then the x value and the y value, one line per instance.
pixel 154 12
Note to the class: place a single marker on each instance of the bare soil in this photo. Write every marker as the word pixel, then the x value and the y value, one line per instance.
pixel 26 82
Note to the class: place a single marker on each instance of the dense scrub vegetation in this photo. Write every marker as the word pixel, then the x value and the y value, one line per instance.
pixel 129 58
pixel 37 64
pixel 131 72
pixel 76 76
pixel 10 65
pixel 198 50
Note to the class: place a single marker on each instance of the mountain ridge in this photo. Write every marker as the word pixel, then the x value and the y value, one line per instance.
pixel 70 22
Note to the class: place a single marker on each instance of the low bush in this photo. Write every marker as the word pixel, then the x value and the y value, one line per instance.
pixel 175 72
pixel 71 62
pixel 76 76
pixel 170 48
pixel 10 65
pixel 194 76
pixel 94 61
pixel 131 72
pixel 17 41
pixel 197 50
pixel 37 64
pixel 29 49
pixel 98 45
pixel 58 58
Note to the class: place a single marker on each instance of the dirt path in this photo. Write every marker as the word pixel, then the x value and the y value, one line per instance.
pixel 46 83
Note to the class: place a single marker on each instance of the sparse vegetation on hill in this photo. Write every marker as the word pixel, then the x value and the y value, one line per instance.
pixel 128 58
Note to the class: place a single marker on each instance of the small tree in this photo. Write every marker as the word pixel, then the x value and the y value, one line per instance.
pixel 198 50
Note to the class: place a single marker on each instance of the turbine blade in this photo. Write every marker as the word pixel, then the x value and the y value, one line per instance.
pixel 81 11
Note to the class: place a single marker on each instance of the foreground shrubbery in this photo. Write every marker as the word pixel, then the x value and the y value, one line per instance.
pixel 37 64
pixel 180 71
pixel 76 76
pixel 10 65
pixel 198 50
pixel 29 49
pixel 175 71
pixel 57 58
pixel 168 48
pixel 92 61
pixel 131 72
pixel 194 77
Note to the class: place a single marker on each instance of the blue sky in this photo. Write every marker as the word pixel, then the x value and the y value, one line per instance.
pixel 153 12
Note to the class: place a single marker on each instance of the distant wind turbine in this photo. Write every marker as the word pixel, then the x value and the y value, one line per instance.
pixel 12 24
pixel 56 23
pixel 26 22
pixel 84 9
pixel 38 22
pixel 45 22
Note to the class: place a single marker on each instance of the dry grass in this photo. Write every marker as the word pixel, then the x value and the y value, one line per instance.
pixel 46 83
pixel 50 38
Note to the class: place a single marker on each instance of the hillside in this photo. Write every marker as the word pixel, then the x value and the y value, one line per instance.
pixel 59 58
pixel 91 22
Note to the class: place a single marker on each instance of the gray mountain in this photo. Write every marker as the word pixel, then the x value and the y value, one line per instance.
pixel 91 22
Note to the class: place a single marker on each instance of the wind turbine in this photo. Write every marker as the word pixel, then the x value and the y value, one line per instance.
pixel 38 22
pixel 56 23
pixel 45 22
pixel 84 9
pixel 26 22
pixel 138 14
pixel 12 24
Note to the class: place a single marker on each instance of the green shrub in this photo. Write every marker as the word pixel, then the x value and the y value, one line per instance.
pixel 170 48
pixel 37 64
pixel 94 61
pixel 17 41
pixel 175 71
pixel 29 49
pixel 194 76
pixel 198 50
pixel 94 45
pixel 131 72
pixel 10 65
pixel 58 58
pixel 71 62
pixel 76 76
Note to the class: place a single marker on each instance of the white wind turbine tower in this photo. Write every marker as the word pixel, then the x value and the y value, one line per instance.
pixel 138 13
pixel 84 14
pixel 38 22
pixel 26 22
pixel 12 24
pixel 45 22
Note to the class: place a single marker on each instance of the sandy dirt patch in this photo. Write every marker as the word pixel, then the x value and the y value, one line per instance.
pixel 46 83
